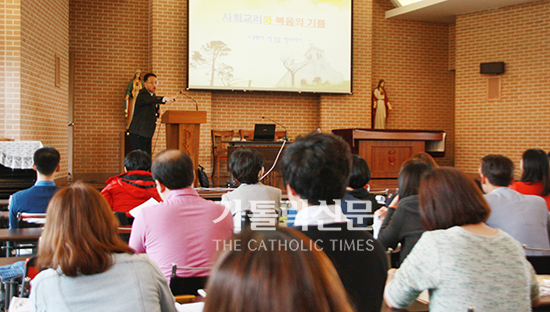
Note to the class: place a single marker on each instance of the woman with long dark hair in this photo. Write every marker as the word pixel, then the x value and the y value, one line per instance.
pixel 535 175
pixel 402 223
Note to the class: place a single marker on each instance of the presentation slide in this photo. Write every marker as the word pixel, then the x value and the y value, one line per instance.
pixel 270 45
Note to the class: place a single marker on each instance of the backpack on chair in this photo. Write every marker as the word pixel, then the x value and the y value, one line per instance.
pixel 203 178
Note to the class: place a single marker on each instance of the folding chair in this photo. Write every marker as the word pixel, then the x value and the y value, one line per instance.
pixel 122 218
pixel 187 285
pixel 541 264
pixel 30 272
pixel 28 219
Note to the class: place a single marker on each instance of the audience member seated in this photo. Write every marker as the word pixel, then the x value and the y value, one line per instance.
pixel 460 260
pixel 275 278
pixel 86 266
pixel 135 186
pixel 427 158
pixel 36 198
pixel 316 170
pixel 184 228
pixel 524 217
pixel 402 223
pixel 535 175
pixel 358 201
pixel 247 166
pixel 423 156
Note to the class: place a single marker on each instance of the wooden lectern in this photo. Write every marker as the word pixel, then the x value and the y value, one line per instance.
pixel 183 133
pixel 386 150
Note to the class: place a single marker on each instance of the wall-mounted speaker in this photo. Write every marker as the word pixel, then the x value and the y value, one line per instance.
pixel 495 68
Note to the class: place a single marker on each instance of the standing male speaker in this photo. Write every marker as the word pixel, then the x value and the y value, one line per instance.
pixel 146 109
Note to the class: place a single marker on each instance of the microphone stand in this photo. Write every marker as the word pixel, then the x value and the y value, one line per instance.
pixel 187 96
pixel 286 137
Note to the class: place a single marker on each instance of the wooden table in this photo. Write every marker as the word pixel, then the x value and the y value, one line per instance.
pixel 214 194
pixel 20 234
pixel 11 260
pixel 11 236
pixel 414 307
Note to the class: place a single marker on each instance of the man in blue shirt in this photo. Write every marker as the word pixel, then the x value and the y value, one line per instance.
pixel 36 198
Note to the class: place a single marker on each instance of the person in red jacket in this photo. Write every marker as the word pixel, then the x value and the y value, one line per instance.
pixel 133 187
pixel 535 175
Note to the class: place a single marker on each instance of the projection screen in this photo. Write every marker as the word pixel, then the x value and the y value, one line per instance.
pixel 270 45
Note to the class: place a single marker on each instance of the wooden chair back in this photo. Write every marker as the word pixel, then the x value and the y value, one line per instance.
pixel 246 134
pixel 219 149
pixel 218 137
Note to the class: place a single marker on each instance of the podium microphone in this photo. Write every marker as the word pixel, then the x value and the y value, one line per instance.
pixel 187 96
pixel 286 137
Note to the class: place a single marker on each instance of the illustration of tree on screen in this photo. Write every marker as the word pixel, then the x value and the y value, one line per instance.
pixel 208 55
pixel 225 72
pixel 292 67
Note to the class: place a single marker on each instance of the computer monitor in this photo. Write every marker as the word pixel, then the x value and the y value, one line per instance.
pixel 264 132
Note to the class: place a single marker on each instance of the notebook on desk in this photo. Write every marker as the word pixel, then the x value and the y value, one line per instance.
pixel 264 132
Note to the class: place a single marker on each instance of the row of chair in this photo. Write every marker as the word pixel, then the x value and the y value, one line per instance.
pixel 219 145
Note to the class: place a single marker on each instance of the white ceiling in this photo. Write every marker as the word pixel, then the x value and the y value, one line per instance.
pixel 444 11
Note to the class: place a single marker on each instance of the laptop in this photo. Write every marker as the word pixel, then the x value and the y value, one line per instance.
pixel 264 132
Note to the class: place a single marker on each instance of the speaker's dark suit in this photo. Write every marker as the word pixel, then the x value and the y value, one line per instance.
pixel 143 124
pixel 145 110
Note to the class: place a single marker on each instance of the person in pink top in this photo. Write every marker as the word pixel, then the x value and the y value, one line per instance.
pixel 185 228
pixel 535 175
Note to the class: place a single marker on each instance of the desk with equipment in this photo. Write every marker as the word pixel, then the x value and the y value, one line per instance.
pixel 270 151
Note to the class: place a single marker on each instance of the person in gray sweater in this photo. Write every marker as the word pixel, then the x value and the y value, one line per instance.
pixel 247 165
pixel 402 223
pixel 524 217
pixel 460 260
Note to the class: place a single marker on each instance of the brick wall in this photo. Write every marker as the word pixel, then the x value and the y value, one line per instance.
pixel 169 62
pixel 110 40
pixel 452 46
pixel 33 107
pixel 102 42
pixel 413 59
pixel 353 111
pixel 520 37
pixel 10 71
pixel 237 110
pixel 44 106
